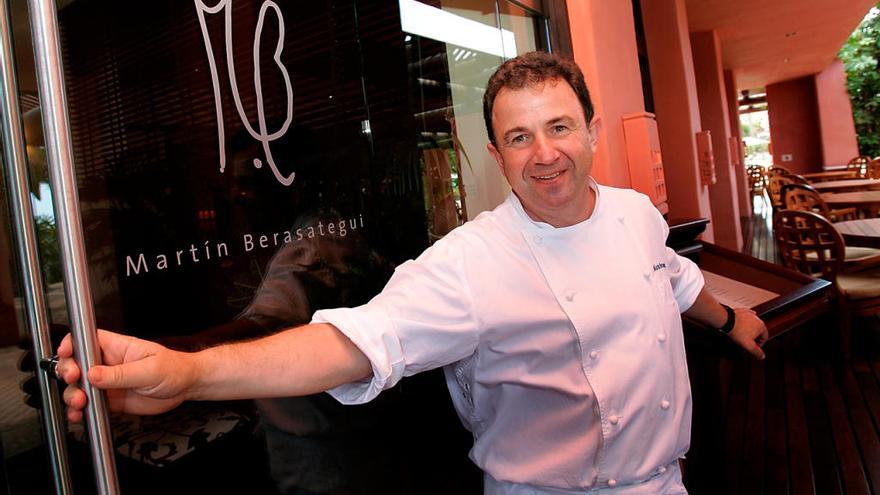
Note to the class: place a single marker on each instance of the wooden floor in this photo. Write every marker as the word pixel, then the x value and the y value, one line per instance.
pixel 805 420
pixel 758 232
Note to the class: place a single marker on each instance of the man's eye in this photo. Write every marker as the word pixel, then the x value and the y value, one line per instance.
pixel 518 139
pixel 559 129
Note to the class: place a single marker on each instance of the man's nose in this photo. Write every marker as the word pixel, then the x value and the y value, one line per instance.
pixel 545 150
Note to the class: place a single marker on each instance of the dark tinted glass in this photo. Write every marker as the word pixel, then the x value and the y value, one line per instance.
pixel 244 164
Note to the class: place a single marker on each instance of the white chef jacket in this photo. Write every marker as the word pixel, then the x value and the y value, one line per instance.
pixel 562 347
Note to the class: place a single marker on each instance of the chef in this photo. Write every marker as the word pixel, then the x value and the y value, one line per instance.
pixel 556 317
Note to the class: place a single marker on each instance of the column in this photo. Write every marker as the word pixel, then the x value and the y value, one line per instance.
pixel 604 46
pixel 677 107
pixel 836 126
pixel 794 124
pixel 735 143
pixel 706 48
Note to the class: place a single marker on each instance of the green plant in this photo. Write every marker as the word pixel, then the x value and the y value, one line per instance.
pixel 860 54
pixel 758 148
pixel 50 254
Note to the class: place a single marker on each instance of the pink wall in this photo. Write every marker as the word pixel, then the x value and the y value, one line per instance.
pixel 794 128
pixel 711 91
pixel 836 124
pixel 736 155
pixel 676 107
pixel 604 45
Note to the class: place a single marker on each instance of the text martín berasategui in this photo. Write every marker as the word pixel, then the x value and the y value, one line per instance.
pixel 211 251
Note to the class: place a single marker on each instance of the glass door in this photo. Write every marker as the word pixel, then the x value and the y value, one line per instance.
pixel 240 165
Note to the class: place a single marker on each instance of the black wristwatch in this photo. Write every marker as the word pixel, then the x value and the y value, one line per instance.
pixel 731 320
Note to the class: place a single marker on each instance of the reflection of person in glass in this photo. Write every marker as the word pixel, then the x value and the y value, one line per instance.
pixel 313 442
pixel 556 317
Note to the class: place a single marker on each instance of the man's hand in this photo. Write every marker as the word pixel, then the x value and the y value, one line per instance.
pixel 143 377
pixel 140 377
pixel 749 332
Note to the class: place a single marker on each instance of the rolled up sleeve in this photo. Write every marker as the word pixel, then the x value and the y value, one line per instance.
pixel 423 319
pixel 371 330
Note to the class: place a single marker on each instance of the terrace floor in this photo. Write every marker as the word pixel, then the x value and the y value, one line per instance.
pixel 806 420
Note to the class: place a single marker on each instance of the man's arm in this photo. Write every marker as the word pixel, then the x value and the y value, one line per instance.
pixel 749 332
pixel 143 377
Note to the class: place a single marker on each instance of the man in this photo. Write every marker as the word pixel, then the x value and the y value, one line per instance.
pixel 556 317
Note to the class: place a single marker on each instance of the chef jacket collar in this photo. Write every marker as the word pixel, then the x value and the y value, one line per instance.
pixel 546 227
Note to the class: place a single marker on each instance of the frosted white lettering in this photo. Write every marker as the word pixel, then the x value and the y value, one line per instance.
pixel 262 134
pixel 129 265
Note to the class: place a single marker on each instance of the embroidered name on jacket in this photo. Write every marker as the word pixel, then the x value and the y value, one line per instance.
pixel 659 266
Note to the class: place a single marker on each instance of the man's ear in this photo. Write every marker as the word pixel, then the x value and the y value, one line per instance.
pixel 496 155
pixel 593 133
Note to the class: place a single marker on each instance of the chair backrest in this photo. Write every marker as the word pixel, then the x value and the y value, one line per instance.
pixel 798 179
pixel 859 165
pixel 808 243
pixel 777 170
pixel 774 188
pixel 873 169
pixel 757 178
pixel 803 197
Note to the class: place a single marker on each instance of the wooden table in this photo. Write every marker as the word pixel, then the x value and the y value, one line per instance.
pixel 829 175
pixel 858 199
pixel 847 185
pixel 865 232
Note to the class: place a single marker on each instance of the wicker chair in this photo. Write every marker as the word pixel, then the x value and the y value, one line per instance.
pixel 803 197
pixel 873 171
pixel 800 197
pixel 859 165
pixel 777 170
pixel 774 190
pixel 757 180
pixel 809 243
pixel 798 179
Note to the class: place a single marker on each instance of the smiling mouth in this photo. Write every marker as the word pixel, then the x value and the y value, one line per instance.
pixel 548 176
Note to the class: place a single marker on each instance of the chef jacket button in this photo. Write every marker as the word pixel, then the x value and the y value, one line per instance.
pixel 538 239
pixel 661 337
pixel 664 404
pixel 614 419
pixel 594 354
pixel 647 273
pixel 621 218
pixel 662 469
pixel 569 295
pixel 612 482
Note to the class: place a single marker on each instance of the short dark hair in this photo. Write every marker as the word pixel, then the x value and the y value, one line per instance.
pixel 534 68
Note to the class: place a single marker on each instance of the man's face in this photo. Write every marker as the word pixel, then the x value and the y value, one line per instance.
pixel 545 150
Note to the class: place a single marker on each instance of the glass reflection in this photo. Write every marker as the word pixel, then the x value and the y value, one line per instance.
pixel 386 139
pixel 22 457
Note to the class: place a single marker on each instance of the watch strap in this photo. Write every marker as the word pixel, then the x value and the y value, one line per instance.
pixel 731 320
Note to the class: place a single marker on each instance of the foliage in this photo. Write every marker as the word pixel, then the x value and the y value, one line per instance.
pixel 860 54
pixel 50 254
pixel 758 148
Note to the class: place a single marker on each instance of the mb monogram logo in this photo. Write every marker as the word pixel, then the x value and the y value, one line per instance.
pixel 261 134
